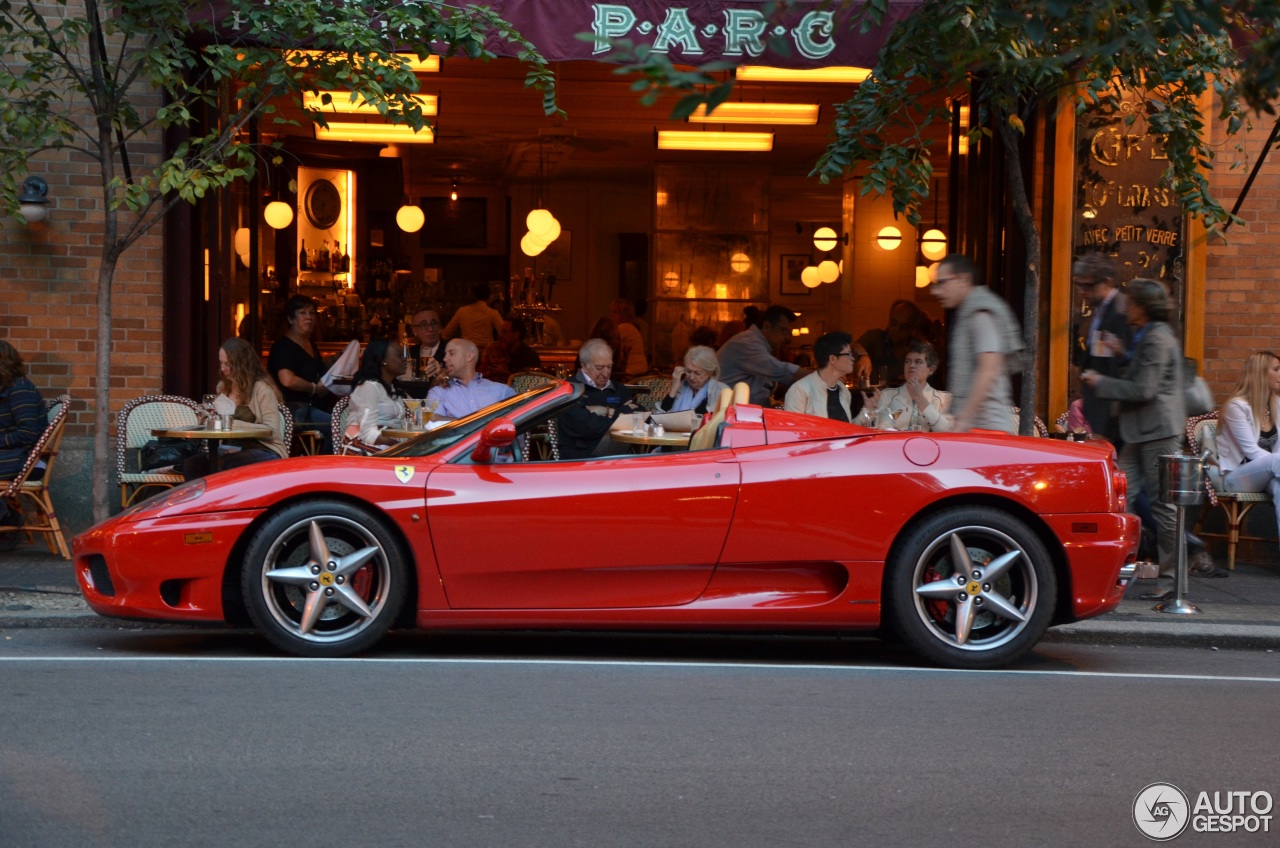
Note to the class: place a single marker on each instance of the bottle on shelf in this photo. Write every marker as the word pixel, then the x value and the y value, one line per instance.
pixel 346 262
pixel 304 261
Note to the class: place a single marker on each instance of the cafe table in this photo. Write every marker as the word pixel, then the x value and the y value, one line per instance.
pixel 240 431
pixel 409 433
pixel 643 442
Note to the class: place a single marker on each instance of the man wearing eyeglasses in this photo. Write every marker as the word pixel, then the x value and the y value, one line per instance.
pixel 986 346
pixel 584 426
pixel 426 329
pixel 1105 343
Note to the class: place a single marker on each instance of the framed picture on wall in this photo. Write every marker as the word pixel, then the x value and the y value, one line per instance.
pixel 789 281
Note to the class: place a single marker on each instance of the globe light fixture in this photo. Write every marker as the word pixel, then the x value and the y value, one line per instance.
pixel 278 214
pixel 410 218
pixel 825 239
pixel 809 276
pixel 531 246
pixel 889 238
pixel 33 200
pixel 933 244
pixel 828 271
pixel 740 263
pixel 539 220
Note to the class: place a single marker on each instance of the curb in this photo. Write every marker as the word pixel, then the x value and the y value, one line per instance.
pixel 1187 634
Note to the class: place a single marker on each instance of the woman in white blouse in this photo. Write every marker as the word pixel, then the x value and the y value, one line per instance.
pixel 377 401
pixel 915 405
pixel 1248 454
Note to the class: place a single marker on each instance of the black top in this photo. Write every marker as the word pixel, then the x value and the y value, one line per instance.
pixel 438 356
pixel 581 429
pixel 525 358
pixel 835 410
pixel 1267 439
pixel 288 355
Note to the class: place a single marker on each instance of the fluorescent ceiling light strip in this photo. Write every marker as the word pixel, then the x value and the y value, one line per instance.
pixel 731 141
pixel 429 65
pixel 757 113
pixel 838 73
pixel 342 103
pixel 388 133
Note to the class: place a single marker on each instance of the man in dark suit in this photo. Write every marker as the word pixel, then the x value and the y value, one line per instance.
pixel 1104 341
pixel 426 329
pixel 585 425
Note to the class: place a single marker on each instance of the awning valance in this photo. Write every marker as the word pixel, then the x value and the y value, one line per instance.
pixel 816 34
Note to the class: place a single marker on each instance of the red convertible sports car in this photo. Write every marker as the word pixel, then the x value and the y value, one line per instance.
pixel 965 546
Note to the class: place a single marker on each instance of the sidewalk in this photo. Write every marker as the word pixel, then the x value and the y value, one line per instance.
pixel 38 589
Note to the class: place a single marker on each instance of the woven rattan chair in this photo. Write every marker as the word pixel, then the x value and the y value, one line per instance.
pixel 286 424
pixel 524 381
pixel 21 491
pixel 133 430
pixel 658 385
pixel 339 424
pixel 1038 426
pixel 1202 436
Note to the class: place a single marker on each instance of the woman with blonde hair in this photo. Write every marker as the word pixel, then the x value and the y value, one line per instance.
pixel 694 385
pixel 246 383
pixel 1248 449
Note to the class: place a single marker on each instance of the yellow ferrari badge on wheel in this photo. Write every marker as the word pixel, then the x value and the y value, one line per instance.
pixel 404 472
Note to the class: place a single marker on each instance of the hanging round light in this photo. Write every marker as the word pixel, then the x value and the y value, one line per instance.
pixel 740 263
pixel 278 214
pixel 809 276
pixel 539 220
pixel 824 238
pixel 410 218
pixel 550 234
pixel 530 246
pixel 670 280
pixel 241 240
pixel 933 244
pixel 889 238
pixel 922 277
pixel 828 271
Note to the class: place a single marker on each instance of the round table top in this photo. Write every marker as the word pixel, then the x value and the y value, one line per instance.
pixel 666 440
pixel 402 433
pixel 198 431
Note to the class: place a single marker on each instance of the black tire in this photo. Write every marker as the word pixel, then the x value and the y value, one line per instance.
pixel 316 605
pixel 1009 600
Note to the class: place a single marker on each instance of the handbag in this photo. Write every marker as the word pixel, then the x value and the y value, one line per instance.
pixel 159 453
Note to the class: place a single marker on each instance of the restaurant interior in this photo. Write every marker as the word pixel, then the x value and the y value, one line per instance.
pixel 376 226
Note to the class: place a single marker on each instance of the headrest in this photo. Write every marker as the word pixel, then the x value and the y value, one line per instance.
pixel 725 400
pixel 741 393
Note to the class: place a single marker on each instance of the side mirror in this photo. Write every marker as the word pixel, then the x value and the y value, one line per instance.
pixel 499 433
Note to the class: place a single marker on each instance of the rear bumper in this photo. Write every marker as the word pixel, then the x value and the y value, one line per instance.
pixel 161 570
pixel 1097 547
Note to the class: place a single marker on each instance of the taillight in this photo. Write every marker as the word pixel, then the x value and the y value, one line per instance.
pixel 1119 490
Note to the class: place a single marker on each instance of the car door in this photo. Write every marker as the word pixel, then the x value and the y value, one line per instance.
pixel 636 531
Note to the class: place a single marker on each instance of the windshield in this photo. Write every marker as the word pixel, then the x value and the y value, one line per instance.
pixel 434 441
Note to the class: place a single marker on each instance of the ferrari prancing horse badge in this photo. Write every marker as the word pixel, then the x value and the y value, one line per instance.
pixel 404 473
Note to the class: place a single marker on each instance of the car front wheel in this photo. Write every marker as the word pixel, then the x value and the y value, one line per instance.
pixel 971 587
pixel 323 579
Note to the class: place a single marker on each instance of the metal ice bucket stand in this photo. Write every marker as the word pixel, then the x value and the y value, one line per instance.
pixel 1182 485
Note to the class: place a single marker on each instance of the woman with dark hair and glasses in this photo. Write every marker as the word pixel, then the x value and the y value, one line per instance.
pixel 823 392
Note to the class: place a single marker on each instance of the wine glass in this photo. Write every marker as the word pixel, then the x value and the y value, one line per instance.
pixel 413 407
pixel 429 407
pixel 894 415
pixel 209 402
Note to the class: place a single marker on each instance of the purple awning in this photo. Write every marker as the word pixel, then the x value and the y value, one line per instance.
pixel 816 33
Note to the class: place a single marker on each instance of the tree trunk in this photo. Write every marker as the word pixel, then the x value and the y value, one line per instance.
pixel 1031 299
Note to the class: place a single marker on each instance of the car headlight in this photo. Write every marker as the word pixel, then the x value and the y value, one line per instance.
pixel 170 497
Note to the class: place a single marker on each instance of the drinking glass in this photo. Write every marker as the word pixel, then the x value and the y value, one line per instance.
pixel 429 407
pixel 637 423
pixel 414 407
pixel 894 415
pixel 209 404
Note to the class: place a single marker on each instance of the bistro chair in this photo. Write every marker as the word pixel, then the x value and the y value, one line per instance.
pixel 658 386
pixel 1202 437
pixel 1038 426
pixel 339 423
pixel 133 430
pixel 285 432
pixel 22 490
pixel 706 436
pixel 524 381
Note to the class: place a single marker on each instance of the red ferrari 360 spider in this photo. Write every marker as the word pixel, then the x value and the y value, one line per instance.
pixel 966 546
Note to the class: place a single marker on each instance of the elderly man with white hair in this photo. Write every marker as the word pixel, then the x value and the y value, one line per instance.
pixel 584 425
pixel 466 391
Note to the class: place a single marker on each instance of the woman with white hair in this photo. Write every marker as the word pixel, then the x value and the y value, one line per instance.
pixel 694 385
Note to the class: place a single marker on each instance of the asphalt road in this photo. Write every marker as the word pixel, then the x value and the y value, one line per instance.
pixel 154 737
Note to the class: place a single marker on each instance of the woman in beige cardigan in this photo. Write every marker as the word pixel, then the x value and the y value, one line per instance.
pixel 915 405
pixel 822 392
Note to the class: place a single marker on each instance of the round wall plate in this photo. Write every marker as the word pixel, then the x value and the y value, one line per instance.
pixel 323 204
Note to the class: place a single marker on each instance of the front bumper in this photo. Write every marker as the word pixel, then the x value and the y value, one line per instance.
pixel 162 569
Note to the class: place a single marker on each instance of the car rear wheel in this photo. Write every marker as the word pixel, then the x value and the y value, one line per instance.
pixel 323 579
pixel 971 587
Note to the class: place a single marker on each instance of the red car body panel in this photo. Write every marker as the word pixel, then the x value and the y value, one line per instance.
pixel 787 524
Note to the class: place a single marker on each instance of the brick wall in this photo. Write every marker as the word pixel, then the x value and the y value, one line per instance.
pixel 48 286
pixel 1242 287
